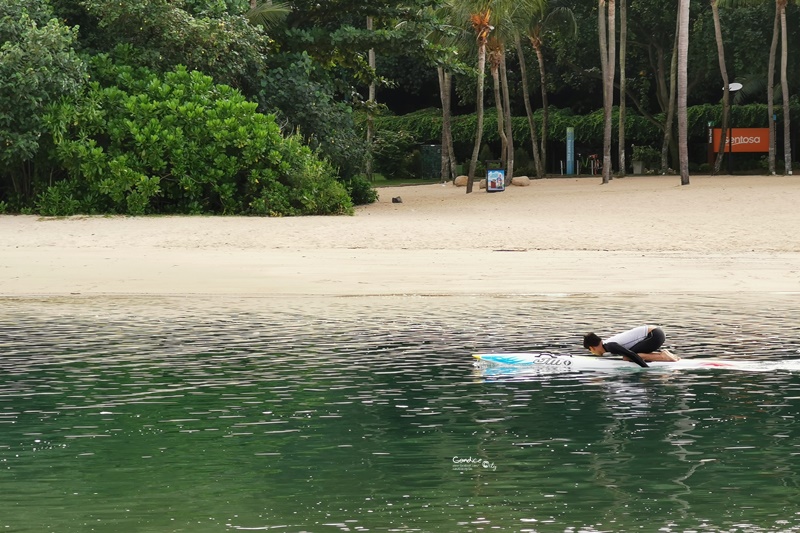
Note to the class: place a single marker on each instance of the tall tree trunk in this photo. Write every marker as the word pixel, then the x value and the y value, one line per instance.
pixel 370 118
pixel 603 37
pixel 726 110
pixel 623 50
pixel 478 113
pixel 683 84
pixel 787 130
pixel 528 108
pixel 507 110
pixel 448 84
pixel 545 105
pixel 448 157
pixel 494 67
pixel 608 49
pixel 669 122
pixel 773 52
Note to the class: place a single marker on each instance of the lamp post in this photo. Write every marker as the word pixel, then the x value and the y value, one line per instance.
pixel 732 87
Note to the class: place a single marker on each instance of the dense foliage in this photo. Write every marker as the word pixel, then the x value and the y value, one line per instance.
pixel 139 143
pixel 210 108
pixel 38 65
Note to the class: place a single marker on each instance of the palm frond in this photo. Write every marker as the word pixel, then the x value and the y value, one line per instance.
pixel 268 14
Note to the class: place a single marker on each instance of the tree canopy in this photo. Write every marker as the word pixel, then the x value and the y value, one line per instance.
pixel 308 69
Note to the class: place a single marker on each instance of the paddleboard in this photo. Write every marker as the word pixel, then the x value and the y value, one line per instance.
pixel 551 362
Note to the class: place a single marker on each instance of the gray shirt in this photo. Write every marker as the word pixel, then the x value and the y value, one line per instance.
pixel 631 337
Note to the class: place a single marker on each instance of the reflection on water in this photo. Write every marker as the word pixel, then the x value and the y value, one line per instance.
pixel 353 414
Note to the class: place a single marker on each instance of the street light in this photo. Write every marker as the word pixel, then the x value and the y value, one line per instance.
pixel 732 87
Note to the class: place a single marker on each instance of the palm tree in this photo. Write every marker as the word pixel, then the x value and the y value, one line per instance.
pixel 528 108
pixel 540 18
pixel 683 60
pixel 370 101
pixel 496 52
pixel 505 31
pixel 479 15
pixel 780 5
pixel 780 20
pixel 608 39
pixel 669 122
pixel 623 47
pixel 725 86
pixel 771 91
pixel 448 155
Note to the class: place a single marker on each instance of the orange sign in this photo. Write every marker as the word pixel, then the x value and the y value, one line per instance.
pixel 744 140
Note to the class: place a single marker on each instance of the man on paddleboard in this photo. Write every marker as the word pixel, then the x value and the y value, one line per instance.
pixel 644 340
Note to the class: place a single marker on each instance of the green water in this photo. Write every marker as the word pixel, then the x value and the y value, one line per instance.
pixel 356 414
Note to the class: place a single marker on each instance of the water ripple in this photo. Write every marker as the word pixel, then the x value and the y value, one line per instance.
pixel 210 414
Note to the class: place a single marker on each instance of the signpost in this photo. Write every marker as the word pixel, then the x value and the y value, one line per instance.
pixel 732 87
pixel 570 151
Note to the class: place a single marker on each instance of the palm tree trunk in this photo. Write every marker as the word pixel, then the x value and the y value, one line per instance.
pixel 609 51
pixel 773 52
pixel 448 84
pixel 669 123
pixel 498 104
pixel 507 110
pixel 370 118
pixel 603 37
pixel 448 157
pixel 725 89
pixel 545 106
pixel 528 108
pixel 478 113
pixel 787 130
pixel 623 50
pixel 683 61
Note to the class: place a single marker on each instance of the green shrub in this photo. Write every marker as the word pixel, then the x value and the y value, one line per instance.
pixel 646 154
pixel 139 143
pixel 391 153
pixel 38 66
pixel 302 95
pixel 361 190
pixel 58 200
pixel 485 154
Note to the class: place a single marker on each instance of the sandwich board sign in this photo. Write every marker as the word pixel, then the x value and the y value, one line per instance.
pixel 495 176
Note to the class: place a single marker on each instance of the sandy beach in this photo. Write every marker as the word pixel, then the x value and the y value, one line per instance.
pixel 643 235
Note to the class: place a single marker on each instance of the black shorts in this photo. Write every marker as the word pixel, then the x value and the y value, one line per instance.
pixel 652 343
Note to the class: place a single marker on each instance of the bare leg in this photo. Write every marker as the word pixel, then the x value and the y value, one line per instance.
pixel 663 355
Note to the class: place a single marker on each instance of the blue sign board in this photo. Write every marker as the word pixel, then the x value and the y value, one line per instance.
pixel 495 180
pixel 570 151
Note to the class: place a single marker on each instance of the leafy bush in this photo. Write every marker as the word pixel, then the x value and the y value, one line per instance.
pixel 361 190
pixel 59 200
pixel 646 154
pixel 301 95
pixel 163 34
pixel 485 154
pixel 392 151
pixel 140 143
pixel 38 66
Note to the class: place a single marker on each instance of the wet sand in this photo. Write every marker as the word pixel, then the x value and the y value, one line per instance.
pixel 643 235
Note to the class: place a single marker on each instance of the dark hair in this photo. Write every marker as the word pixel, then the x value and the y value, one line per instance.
pixel 590 339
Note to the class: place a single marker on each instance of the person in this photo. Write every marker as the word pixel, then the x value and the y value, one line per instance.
pixel 640 344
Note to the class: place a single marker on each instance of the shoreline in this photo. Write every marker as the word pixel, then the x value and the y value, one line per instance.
pixel 636 235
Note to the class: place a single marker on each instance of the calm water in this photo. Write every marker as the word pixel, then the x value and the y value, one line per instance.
pixel 357 414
